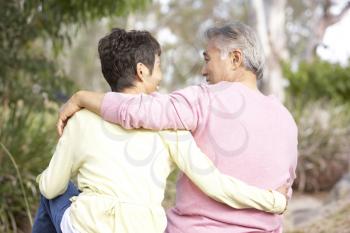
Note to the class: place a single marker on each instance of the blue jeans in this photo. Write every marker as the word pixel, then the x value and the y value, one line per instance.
pixel 50 212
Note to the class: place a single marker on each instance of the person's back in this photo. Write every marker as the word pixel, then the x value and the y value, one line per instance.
pixel 249 136
pixel 122 176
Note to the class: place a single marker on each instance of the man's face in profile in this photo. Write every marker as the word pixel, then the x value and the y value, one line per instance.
pixel 215 68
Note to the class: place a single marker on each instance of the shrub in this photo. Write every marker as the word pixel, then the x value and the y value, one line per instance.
pixel 318 95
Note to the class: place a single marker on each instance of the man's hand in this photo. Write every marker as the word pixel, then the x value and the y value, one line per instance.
pixel 67 110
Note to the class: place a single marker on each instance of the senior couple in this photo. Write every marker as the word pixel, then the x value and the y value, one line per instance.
pixel 235 147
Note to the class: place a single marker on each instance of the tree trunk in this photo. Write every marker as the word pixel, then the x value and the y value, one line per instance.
pixel 270 24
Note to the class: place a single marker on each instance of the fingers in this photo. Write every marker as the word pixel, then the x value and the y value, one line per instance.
pixel 59 127
pixel 284 189
pixel 61 123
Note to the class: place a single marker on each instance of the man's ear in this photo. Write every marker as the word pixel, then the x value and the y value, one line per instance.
pixel 141 71
pixel 236 58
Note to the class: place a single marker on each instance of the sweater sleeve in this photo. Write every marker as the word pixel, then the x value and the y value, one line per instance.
pixel 223 188
pixel 53 181
pixel 182 109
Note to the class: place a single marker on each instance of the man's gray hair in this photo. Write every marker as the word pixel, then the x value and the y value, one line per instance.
pixel 239 36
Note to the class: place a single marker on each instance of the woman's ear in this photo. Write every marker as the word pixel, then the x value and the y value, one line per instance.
pixel 142 71
pixel 236 58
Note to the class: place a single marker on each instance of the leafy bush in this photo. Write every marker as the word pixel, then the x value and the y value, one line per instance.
pixel 318 97
pixel 319 80
pixel 324 133
pixel 27 140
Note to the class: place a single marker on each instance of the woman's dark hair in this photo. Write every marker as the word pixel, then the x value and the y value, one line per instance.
pixel 120 51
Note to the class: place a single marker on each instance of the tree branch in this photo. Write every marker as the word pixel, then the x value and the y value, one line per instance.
pixel 332 19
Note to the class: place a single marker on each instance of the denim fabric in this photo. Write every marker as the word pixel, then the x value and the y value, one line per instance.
pixel 49 216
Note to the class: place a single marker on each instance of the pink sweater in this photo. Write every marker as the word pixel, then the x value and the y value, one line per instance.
pixel 246 134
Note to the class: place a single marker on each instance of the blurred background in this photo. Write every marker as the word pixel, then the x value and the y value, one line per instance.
pixel 48 50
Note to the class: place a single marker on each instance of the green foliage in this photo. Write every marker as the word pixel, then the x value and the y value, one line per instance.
pixel 319 80
pixel 31 86
pixel 25 21
pixel 28 26
pixel 318 96
pixel 28 136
